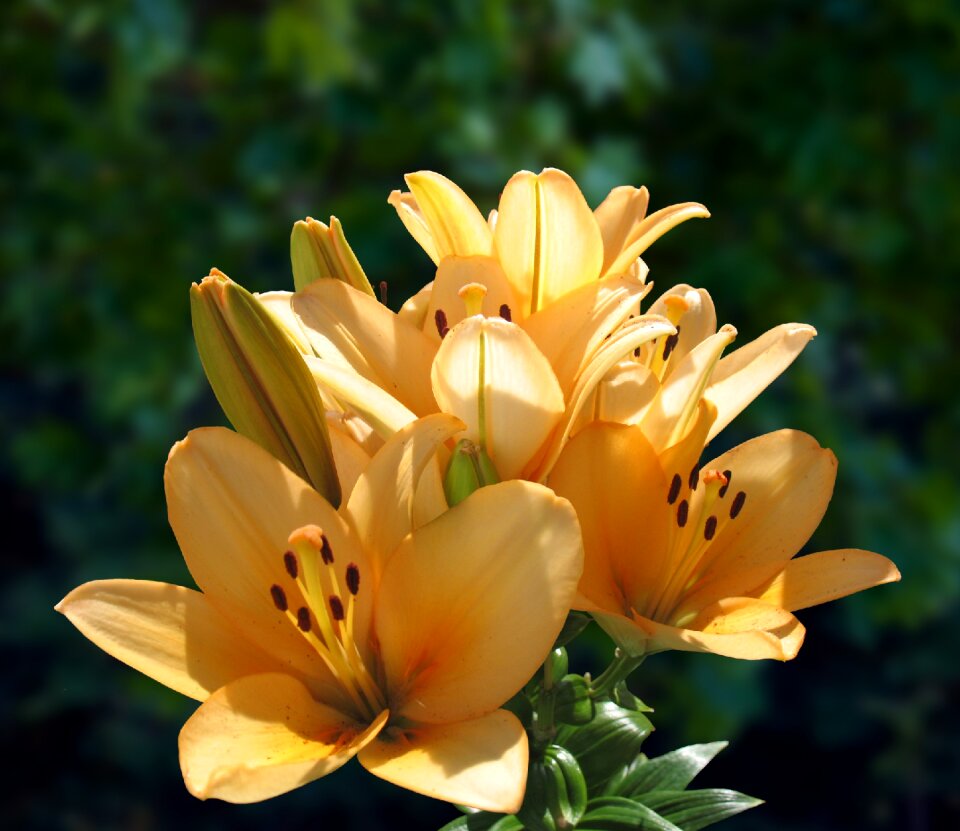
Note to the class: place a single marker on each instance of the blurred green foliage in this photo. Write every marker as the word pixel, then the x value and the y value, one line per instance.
pixel 145 141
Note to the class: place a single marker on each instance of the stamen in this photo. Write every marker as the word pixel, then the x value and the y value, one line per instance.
pixel 677 307
pixel 675 485
pixel 682 510
pixel 505 312
pixel 303 619
pixel 710 528
pixel 383 292
pixel 279 597
pixel 440 319
pixel 290 564
pixel 336 607
pixel 737 504
pixel 670 344
pixel 694 477
pixel 472 295
pixel 326 552
pixel 728 475
pixel 353 578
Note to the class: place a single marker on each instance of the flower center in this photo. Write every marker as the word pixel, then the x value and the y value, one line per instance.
pixel 326 616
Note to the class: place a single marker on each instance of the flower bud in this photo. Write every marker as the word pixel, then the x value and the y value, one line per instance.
pixel 261 381
pixel 321 252
pixel 470 468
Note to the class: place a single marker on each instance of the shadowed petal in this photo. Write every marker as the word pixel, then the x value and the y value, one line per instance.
pixel 452 275
pixel 480 763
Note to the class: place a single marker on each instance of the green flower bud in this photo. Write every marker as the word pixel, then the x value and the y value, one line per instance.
pixel 556 795
pixel 321 252
pixel 470 468
pixel 261 380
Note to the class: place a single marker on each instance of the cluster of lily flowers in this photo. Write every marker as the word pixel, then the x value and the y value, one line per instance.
pixel 414 506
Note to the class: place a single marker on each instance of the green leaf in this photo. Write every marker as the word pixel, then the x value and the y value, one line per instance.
pixel 671 772
pixel 484 821
pixel 573 703
pixel 605 744
pixel 693 810
pixel 576 622
pixel 614 813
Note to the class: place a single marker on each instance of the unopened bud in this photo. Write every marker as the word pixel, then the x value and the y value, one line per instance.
pixel 261 380
pixel 321 252
pixel 470 468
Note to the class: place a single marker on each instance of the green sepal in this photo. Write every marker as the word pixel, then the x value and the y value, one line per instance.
pixel 573 702
pixel 470 468
pixel 556 795
pixel 615 813
pixel 262 381
pixel 606 743
pixel 693 810
pixel 321 252
pixel 484 821
pixel 670 772
pixel 575 623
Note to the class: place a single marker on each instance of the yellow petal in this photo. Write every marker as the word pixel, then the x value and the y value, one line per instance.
pixel 613 479
pixel 742 375
pixel 264 735
pixel 455 224
pixel 480 763
pixel 569 331
pixel 278 304
pixel 232 507
pixel 471 603
pixel 670 414
pixel 618 214
pixel 828 575
pixel 412 217
pixel 384 413
pixel 625 393
pixel 414 311
pixel 353 329
pixel 649 230
pixel 452 275
pixel 547 238
pixel 787 480
pixel 169 633
pixel 694 325
pixel 381 504
pixel 491 375
pixel 349 457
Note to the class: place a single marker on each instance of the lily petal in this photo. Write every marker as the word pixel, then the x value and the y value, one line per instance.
pixel 650 229
pixel 742 375
pixel 480 763
pixel 547 238
pixel 278 304
pixel 480 593
pixel 264 735
pixel 351 328
pixel 413 219
pixel 625 393
pixel 618 214
pixel 170 633
pixel 348 456
pixel 828 575
pixel 381 505
pixel 456 225
pixel 232 507
pixel 414 311
pixel 696 324
pixel 491 375
pixel 452 275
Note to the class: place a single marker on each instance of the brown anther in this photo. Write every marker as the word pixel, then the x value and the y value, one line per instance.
pixel 728 475
pixel 440 319
pixel 694 477
pixel 682 510
pixel 675 484
pixel 636 352
pixel 353 579
pixel 326 552
pixel 336 607
pixel 505 312
pixel 383 292
pixel 737 504
pixel 279 597
pixel 670 344
pixel 710 528
pixel 303 619
pixel 290 564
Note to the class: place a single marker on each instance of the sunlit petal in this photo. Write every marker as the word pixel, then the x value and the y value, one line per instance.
pixel 452 275
pixel 480 763
pixel 649 230
pixel 618 214
pixel 471 603
pixel 456 226
pixel 412 217
pixel 264 735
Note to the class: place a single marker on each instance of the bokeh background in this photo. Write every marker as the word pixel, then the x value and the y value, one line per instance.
pixel 145 141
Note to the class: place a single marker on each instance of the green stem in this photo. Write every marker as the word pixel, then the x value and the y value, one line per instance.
pixel 621 666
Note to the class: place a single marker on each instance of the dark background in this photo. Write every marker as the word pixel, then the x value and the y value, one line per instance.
pixel 145 141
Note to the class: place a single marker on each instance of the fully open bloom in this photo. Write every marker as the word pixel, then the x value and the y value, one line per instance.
pixel 701 559
pixel 319 635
